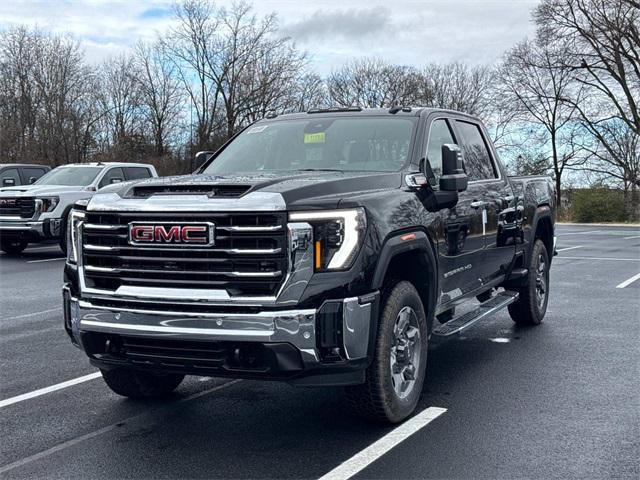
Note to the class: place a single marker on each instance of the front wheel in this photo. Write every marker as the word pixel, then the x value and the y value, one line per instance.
pixel 13 246
pixel 531 305
pixel 140 384
pixel 395 377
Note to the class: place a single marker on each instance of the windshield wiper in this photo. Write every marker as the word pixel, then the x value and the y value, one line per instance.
pixel 318 170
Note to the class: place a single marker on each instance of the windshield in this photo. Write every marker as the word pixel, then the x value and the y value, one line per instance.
pixel 343 144
pixel 76 176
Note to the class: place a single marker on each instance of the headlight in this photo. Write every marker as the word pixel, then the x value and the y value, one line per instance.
pixel 48 204
pixel 337 236
pixel 73 234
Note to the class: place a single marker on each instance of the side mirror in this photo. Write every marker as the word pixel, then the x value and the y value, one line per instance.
pixel 200 158
pixel 116 180
pixel 32 180
pixel 8 182
pixel 453 178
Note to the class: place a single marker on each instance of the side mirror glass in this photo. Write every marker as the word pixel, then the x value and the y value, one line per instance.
pixel 116 180
pixel 8 182
pixel 453 178
pixel 32 180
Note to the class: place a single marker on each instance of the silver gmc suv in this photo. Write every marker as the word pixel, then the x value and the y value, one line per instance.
pixel 38 212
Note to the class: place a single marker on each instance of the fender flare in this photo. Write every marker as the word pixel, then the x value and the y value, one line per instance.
pixel 542 212
pixel 397 244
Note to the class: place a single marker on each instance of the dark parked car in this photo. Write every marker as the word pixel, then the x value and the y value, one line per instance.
pixel 12 174
pixel 320 248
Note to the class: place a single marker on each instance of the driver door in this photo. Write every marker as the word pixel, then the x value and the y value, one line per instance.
pixel 460 233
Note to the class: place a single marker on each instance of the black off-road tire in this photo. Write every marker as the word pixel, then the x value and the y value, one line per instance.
pixel 13 246
pixel 377 399
pixel 528 310
pixel 140 384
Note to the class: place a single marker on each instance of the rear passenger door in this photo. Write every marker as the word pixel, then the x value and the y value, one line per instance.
pixel 492 196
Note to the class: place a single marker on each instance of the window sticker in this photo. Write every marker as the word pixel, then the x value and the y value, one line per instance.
pixel 257 129
pixel 314 137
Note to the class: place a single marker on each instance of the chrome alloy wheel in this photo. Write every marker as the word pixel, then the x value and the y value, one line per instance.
pixel 542 279
pixel 405 352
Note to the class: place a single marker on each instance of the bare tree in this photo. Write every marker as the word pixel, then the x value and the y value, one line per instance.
pixel 121 103
pixel 535 86
pixel 603 55
pixel 457 86
pixel 160 94
pixel 371 82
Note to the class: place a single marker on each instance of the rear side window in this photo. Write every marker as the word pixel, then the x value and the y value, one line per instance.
pixel 136 173
pixel 439 134
pixel 9 177
pixel 114 175
pixel 477 160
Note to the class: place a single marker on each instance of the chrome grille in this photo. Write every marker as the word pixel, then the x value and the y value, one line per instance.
pixel 17 207
pixel 248 258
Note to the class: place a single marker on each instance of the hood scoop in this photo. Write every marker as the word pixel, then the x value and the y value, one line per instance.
pixel 146 191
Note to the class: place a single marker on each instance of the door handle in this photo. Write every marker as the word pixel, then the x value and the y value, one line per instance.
pixel 478 204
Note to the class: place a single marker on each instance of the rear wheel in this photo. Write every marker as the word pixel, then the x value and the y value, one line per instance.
pixel 140 384
pixel 13 246
pixel 395 377
pixel 531 305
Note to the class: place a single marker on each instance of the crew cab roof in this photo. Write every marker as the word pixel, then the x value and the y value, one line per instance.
pixel 356 111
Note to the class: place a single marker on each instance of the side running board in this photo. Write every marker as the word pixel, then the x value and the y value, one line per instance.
pixel 498 302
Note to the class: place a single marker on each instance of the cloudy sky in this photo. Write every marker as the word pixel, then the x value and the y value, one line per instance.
pixel 402 31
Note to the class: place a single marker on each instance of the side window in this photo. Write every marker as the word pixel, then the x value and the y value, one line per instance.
pixel 137 173
pixel 114 175
pixel 439 134
pixel 30 172
pixel 477 159
pixel 9 177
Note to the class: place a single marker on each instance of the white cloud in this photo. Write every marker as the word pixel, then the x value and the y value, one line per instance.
pixel 332 31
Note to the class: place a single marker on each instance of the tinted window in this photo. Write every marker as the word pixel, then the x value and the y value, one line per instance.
pixel 29 172
pixel 347 143
pixel 7 175
pixel 112 176
pixel 136 173
pixel 477 160
pixel 76 176
pixel 439 134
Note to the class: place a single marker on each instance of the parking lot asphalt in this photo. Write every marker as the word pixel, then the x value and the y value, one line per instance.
pixel 558 400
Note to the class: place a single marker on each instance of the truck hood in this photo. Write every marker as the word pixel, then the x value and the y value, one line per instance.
pixel 321 189
pixel 39 190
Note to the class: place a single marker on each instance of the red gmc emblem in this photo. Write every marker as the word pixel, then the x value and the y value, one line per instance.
pixel 183 234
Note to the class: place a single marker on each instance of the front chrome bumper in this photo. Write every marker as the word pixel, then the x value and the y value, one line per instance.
pixel 297 327
pixel 21 226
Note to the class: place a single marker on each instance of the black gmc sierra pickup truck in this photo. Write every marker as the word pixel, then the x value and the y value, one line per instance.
pixel 319 248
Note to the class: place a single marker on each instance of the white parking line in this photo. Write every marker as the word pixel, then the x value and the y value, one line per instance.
pixel 629 281
pixel 603 258
pixel 569 248
pixel 33 314
pixel 578 233
pixel 374 451
pixel 108 428
pixel 46 260
pixel 44 391
pixel 631 237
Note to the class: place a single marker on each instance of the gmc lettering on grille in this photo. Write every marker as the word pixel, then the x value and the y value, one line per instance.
pixel 200 234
